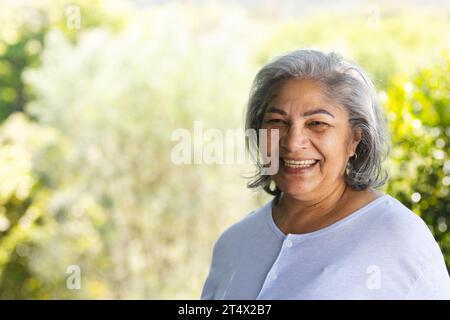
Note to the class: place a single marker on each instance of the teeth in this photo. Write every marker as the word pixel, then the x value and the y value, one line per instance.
pixel 299 163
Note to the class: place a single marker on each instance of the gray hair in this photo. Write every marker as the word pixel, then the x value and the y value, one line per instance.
pixel 345 83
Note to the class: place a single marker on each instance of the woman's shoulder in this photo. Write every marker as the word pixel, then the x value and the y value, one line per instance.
pixel 404 230
pixel 246 229
pixel 399 217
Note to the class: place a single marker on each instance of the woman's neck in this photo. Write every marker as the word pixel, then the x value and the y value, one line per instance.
pixel 294 215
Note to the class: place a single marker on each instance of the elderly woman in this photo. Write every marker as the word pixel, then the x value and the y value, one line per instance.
pixel 327 233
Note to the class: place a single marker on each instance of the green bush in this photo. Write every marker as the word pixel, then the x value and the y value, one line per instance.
pixel 419 118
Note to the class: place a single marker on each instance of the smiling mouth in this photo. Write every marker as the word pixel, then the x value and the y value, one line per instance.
pixel 291 166
pixel 298 164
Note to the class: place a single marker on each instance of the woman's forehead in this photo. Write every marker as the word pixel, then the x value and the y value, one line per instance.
pixel 306 90
pixel 306 97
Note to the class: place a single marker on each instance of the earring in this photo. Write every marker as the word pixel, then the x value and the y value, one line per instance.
pixel 356 156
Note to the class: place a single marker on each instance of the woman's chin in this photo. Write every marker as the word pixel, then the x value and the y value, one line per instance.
pixel 296 190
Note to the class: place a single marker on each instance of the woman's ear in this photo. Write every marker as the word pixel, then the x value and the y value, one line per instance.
pixel 356 139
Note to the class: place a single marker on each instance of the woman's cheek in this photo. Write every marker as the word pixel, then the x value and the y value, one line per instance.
pixel 272 137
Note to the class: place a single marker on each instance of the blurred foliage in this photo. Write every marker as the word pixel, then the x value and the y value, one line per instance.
pixel 23 197
pixel 118 206
pixel 384 44
pixel 22 30
pixel 419 118
pixel 85 168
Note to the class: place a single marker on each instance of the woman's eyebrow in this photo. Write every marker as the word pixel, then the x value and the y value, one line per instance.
pixel 312 112
pixel 306 114
pixel 276 110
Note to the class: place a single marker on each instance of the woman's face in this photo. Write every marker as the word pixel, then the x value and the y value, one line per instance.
pixel 311 127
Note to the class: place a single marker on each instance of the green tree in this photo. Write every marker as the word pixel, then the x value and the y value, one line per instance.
pixel 419 120
pixel 138 225
pixel 390 43
pixel 23 198
pixel 22 31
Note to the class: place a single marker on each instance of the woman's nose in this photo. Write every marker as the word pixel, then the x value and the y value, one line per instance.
pixel 294 138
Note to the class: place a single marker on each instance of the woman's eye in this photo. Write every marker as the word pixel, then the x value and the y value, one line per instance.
pixel 276 121
pixel 317 123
